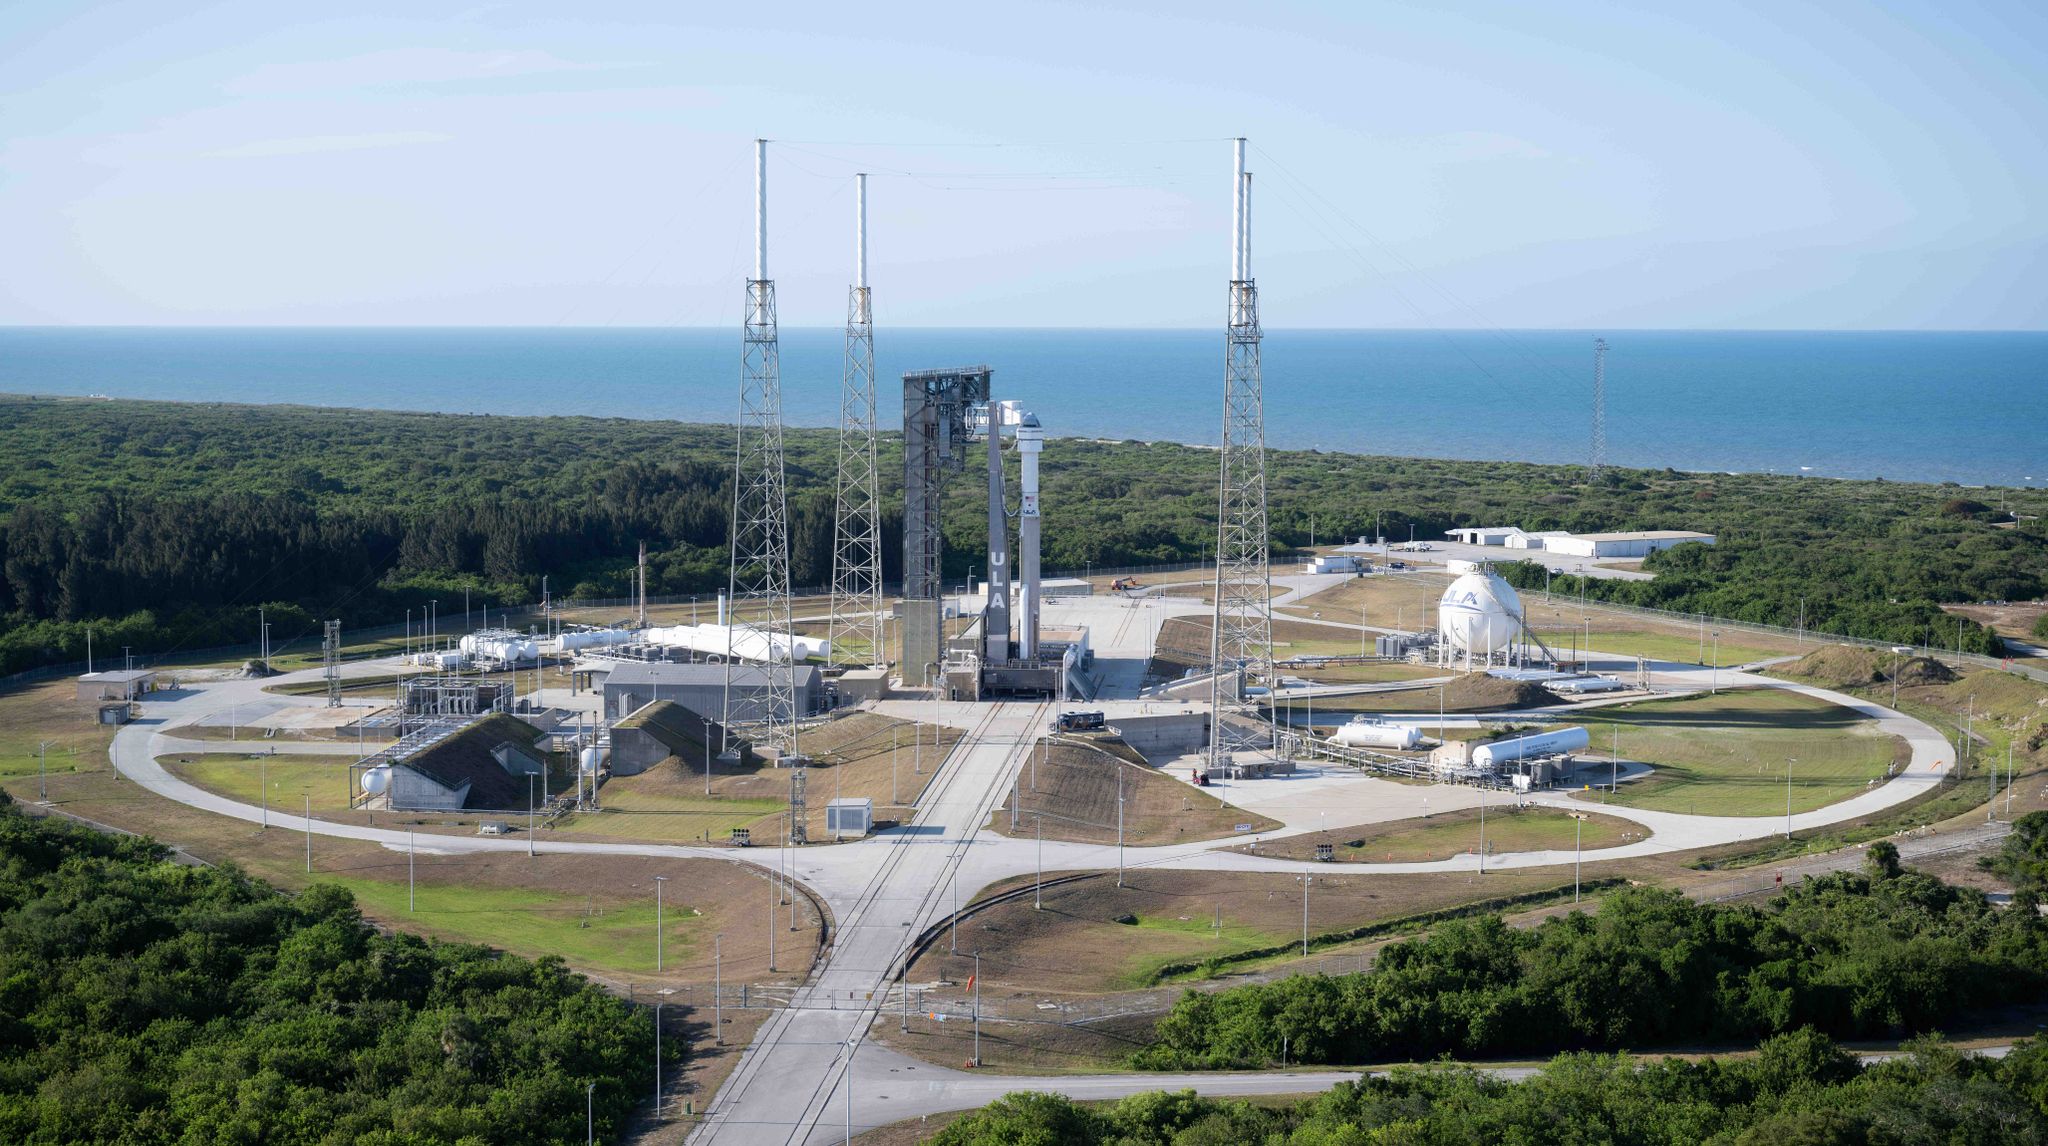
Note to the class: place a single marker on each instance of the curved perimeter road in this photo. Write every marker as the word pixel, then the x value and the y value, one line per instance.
pixel 790 1086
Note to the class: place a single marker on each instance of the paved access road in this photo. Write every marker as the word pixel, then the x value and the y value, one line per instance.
pixel 790 1086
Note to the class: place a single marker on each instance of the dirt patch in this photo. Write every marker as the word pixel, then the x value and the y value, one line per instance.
pixel 1445 835
pixel 1472 692
pixel 1854 666
pixel 1075 947
pixel 1072 790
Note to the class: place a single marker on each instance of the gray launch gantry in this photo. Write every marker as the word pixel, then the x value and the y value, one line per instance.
pixel 944 412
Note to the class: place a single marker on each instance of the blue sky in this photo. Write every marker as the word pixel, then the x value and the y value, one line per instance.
pixel 1778 165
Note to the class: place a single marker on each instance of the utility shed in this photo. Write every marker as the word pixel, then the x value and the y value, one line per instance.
pixel 701 688
pixel 484 767
pixel 118 685
pixel 848 816
pixel 656 731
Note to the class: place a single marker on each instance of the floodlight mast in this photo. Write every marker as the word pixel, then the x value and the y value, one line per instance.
pixel 759 569
pixel 1241 636
pixel 856 622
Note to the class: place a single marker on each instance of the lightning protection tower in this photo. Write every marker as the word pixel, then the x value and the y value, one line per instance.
pixel 1599 459
pixel 330 663
pixel 856 630
pixel 1241 641
pixel 758 578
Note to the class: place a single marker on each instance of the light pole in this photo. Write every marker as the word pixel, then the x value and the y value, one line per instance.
pixel 309 833
pixel 772 895
pixel 1789 761
pixel 852 1048
pixel 1119 824
pixel 1038 889
pixel 1482 831
pixel 411 901
pixel 1715 690
pixel 717 991
pixel 531 823
pixel 1306 879
pixel 1578 834
pixel 1614 762
pixel 263 785
pixel 895 736
pixel 976 980
pixel 659 880
pixel 43 771
pixel 707 756
pixel 953 922
pixel 589 1114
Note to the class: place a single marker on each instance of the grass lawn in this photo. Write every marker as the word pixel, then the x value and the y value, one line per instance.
pixel 663 812
pixel 599 933
pixel 1726 755
pixel 1449 834
pixel 1656 646
pixel 290 778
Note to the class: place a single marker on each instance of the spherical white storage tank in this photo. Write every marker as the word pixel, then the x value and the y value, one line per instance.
pixel 377 781
pixel 1479 612
pixel 590 760
pixel 1369 732
pixel 1523 747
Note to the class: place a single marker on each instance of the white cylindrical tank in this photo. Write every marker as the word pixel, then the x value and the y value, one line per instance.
pixel 377 781
pixel 590 760
pixel 1371 732
pixel 1523 747
pixel 1480 612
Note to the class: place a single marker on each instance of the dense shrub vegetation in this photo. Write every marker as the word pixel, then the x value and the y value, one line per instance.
pixel 143 1001
pixel 172 522
pixel 1798 1090
pixel 1882 953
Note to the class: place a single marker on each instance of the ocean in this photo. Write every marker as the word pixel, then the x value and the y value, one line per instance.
pixel 1964 407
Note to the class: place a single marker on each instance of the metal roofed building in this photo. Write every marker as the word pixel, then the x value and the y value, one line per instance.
pixel 700 687
pixel 116 685
pixel 1639 543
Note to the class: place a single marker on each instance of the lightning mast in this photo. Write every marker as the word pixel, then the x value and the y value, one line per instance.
pixel 1599 461
pixel 759 571
pixel 1241 640
pixel 857 517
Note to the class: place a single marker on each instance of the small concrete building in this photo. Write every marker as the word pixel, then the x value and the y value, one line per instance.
pixel 848 816
pixel 632 685
pixel 118 685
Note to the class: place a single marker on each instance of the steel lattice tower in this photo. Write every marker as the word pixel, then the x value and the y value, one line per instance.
pixel 758 579
pixel 330 663
pixel 1599 461
pixel 857 514
pixel 1242 637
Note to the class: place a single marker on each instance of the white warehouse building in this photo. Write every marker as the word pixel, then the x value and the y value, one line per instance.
pixel 1598 546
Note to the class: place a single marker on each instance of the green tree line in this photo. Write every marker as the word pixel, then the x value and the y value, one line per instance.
pixel 144 1001
pixel 1885 952
pixel 1799 1089
pixel 174 522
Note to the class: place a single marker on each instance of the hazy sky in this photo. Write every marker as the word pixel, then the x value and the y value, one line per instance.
pixel 1515 165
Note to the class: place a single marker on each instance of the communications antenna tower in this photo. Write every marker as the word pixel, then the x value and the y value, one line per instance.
pixel 757 581
pixel 856 626
pixel 330 663
pixel 1599 461
pixel 1241 640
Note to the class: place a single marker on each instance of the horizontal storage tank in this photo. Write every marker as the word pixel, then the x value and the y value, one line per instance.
pixel 578 639
pixel 1367 732
pixel 507 648
pixel 377 780
pixel 1555 743
pixel 590 760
